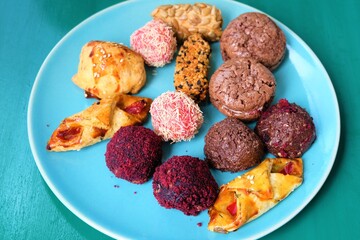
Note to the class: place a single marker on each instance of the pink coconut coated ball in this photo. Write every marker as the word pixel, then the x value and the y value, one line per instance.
pixel 156 42
pixel 175 116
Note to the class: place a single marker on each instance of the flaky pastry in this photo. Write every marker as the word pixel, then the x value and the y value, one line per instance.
pixel 107 69
pixel 248 196
pixel 99 122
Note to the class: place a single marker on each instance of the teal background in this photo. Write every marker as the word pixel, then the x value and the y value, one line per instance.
pixel 29 29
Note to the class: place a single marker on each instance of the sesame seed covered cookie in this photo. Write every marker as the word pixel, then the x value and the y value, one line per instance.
pixel 191 68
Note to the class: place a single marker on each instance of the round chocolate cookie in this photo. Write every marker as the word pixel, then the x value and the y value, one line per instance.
pixel 254 35
pixel 185 183
pixel 232 146
pixel 286 129
pixel 242 88
pixel 133 153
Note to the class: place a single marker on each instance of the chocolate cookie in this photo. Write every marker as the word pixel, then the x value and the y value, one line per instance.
pixel 242 88
pixel 286 129
pixel 232 146
pixel 254 35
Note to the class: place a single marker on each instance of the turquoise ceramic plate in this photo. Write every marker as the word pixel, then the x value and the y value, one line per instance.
pixel 83 183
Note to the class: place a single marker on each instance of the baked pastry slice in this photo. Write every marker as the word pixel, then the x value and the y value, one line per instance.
pixel 248 196
pixel 99 122
pixel 107 69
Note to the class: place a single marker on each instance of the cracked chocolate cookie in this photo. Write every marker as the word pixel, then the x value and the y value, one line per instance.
pixel 242 88
pixel 232 146
pixel 254 35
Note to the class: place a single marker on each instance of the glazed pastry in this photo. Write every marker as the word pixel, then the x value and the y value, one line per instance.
pixel 99 122
pixel 187 19
pixel 250 195
pixel 107 69
pixel 191 68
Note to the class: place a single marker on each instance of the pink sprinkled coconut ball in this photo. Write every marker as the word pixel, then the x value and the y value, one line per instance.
pixel 175 116
pixel 156 42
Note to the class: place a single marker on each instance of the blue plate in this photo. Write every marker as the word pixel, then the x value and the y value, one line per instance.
pixel 83 183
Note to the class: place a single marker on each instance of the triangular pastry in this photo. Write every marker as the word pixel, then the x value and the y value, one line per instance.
pixel 248 196
pixel 99 122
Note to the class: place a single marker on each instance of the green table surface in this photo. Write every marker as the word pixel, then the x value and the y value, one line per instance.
pixel 29 29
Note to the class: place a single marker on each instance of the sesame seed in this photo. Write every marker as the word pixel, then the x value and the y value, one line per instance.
pixel 250 177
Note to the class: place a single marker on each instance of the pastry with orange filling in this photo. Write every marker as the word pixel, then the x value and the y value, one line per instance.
pixel 99 122
pixel 250 195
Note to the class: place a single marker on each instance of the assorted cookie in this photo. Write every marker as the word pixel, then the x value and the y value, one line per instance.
pixel 242 89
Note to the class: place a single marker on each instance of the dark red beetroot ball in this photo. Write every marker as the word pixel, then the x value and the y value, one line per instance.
pixel 133 153
pixel 185 183
pixel 286 129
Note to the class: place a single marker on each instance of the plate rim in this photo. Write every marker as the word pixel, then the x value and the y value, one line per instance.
pixel 109 233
